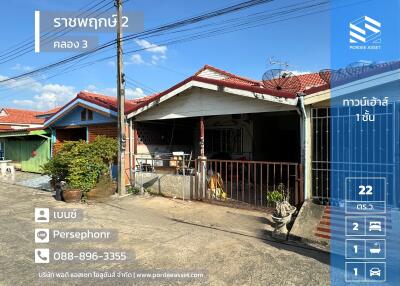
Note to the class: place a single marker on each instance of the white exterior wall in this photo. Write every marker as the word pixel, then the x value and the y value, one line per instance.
pixel 199 102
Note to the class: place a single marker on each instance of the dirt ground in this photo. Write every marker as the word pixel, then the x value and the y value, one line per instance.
pixel 227 246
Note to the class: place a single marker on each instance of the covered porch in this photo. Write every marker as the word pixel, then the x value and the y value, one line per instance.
pixel 216 144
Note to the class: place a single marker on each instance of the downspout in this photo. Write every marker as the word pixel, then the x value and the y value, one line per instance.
pixel 51 141
pixel 304 161
pixel 130 152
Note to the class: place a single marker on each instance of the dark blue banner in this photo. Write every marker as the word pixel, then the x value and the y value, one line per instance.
pixel 365 131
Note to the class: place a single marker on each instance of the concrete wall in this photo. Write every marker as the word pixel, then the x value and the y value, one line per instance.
pixel 182 187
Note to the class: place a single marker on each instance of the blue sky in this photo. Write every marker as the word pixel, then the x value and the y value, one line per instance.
pixel 302 42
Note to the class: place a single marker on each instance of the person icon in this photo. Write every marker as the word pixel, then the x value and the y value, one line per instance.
pixel 42 215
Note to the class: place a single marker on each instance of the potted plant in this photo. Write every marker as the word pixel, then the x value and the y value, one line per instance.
pixel 105 150
pixel 106 187
pixel 282 215
pixel 81 165
pixel 83 175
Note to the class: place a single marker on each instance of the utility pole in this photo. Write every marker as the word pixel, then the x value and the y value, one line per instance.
pixel 121 103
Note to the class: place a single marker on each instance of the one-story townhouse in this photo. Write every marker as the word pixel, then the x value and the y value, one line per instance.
pixel 255 137
pixel 250 135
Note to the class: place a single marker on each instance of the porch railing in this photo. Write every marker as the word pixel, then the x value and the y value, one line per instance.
pixel 248 182
pixel 243 183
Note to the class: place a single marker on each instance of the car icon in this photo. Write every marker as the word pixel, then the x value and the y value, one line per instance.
pixel 374 271
pixel 375 226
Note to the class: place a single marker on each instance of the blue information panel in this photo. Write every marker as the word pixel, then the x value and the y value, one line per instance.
pixel 364 138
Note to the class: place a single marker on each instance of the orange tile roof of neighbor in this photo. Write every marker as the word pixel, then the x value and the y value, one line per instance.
pixel 5 127
pixel 21 116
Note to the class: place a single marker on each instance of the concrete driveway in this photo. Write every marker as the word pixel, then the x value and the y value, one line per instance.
pixel 229 246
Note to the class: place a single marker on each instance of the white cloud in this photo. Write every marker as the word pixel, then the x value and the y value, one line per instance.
pixel 111 63
pixel 153 48
pixel 91 87
pixel 137 59
pixel 20 67
pixel 46 96
pixel 23 102
pixel 156 58
pixel 295 72
pixel 134 93
pixel 130 93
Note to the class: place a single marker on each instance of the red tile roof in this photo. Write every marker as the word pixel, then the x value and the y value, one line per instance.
pixel 343 76
pixel 310 80
pixel 110 102
pixel 307 81
pixel 5 127
pixel 229 80
pixel 51 111
pixel 230 77
pixel 21 116
pixel 310 83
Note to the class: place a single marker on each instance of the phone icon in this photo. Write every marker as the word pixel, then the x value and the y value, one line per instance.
pixel 42 255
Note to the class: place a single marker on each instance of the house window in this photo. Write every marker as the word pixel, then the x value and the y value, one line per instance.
pixel 89 114
pixel 86 114
pixel 227 140
pixel 83 115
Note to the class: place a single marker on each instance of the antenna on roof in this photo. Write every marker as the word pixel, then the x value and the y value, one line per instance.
pixel 282 64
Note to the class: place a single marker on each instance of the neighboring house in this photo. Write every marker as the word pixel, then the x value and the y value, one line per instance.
pixel 85 117
pixel 23 139
pixel 11 119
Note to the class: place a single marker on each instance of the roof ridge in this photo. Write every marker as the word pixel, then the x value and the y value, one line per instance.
pixel 229 74
pixel 19 109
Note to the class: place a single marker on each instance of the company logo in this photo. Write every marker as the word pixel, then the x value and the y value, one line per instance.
pixel 365 33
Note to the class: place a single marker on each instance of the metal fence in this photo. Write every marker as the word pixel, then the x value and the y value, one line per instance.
pixel 235 183
pixel 248 182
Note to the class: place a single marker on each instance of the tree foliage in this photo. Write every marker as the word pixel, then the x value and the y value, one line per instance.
pixel 81 164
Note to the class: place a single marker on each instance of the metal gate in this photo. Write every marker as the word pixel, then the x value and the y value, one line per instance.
pixel 341 121
pixel 321 154
pixel 241 183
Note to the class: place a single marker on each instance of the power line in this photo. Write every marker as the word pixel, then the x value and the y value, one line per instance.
pixel 15 47
pixel 175 41
pixel 202 34
pixel 192 20
pixel 48 36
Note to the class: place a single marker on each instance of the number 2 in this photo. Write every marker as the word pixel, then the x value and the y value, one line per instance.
pixel 365 190
pixel 355 225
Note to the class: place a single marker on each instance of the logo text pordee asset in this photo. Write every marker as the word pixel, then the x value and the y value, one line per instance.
pixel 365 34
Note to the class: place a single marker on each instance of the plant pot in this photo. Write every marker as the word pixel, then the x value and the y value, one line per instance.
pixel 293 209
pixel 101 192
pixel 281 231
pixel 72 196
